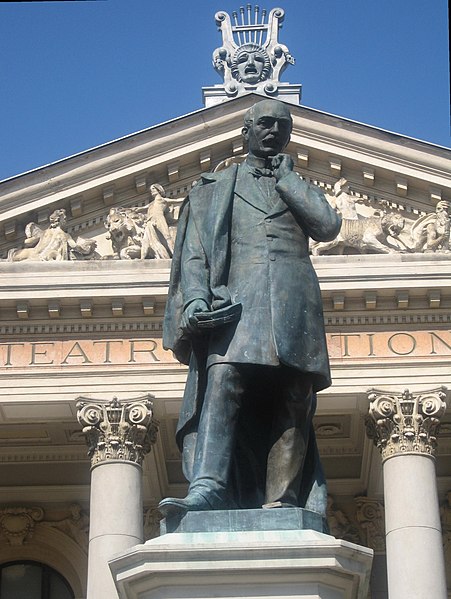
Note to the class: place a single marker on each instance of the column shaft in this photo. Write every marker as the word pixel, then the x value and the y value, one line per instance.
pixel 415 562
pixel 404 427
pixel 116 522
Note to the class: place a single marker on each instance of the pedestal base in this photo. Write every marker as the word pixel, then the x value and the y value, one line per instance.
pixel 266 564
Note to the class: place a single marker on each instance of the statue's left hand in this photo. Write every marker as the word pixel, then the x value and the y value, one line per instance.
pixel 283 165
pixel 189 320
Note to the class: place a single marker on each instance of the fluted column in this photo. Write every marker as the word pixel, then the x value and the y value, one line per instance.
pixel 119 434
pixel 404 427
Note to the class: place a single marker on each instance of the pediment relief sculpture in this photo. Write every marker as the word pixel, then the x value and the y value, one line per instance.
pixel 148 232
pixel 382 230
pixel 53 243
pixel 145 231
pixel 431 232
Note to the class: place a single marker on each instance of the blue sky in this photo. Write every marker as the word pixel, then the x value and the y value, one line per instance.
pixel 76 75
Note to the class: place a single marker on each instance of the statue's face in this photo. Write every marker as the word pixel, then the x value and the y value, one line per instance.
pixel 270 130
pixel 250 65
pixel 58 218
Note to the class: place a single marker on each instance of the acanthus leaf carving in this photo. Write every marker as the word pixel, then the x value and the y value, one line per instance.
pixel 405 423
pixel 118 430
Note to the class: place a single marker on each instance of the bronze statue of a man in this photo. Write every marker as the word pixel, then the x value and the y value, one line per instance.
pixel 244 310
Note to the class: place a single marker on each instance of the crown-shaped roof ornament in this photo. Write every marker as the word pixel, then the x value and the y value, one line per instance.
pixel 251 58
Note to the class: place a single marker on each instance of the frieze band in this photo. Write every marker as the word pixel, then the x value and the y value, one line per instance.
pixel 432 344
pixel 148 232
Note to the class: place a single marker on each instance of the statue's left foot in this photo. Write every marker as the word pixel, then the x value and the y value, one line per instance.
pixel 193 502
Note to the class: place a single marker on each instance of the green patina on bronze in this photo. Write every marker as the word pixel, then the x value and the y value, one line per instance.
pixel 241 264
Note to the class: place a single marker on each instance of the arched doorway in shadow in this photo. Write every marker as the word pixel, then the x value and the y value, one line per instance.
pixel 32 580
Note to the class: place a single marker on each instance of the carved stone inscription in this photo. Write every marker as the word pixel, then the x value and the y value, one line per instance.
pixel 396 344
pixel 83 352
pixel 349 347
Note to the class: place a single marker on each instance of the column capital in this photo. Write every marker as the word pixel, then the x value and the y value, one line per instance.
pixel 117 430
pixel 405 423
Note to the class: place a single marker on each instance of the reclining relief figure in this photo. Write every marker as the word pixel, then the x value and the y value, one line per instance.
pixel 54 243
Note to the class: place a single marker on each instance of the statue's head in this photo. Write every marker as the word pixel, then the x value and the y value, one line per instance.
pixel 157 189
pixel 267 128
pixel 58 219
pixel 442 206
pixel 250 64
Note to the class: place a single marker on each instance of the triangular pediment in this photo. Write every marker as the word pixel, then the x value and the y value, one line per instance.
pixel 382 170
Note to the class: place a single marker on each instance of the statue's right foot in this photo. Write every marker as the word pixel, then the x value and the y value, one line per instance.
pixel 193 502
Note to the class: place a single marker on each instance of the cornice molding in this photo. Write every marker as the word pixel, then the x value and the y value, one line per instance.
pixel 357 290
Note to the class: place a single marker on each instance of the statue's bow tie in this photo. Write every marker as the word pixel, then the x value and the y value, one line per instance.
pixel 262 172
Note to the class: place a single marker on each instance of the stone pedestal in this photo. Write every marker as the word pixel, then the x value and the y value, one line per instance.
pixel 253 564
pixel 119 434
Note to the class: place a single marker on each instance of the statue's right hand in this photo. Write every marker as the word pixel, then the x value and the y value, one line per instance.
pixel 189 320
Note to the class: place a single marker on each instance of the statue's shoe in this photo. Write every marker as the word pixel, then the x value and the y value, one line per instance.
pixel 193 502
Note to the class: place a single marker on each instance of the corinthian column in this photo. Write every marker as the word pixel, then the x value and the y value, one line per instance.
pixel 404 427
pixel 119 434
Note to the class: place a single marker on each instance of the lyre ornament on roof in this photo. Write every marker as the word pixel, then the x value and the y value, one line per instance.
pixel 251 57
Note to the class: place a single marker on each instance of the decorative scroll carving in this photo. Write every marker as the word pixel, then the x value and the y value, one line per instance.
pixel 17 524
pixel 75 525
pixel 405 423
pixel 431 232
pixel 53 243
pixel 339 524
pixel 145 231
pixel 152 518
pixel 370 516
pixel 118 430
pixel 251 58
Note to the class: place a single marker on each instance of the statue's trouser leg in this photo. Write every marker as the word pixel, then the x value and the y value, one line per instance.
pixel 289 437
pixel 216 433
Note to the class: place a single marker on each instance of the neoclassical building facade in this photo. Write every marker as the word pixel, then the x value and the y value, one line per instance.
pixel 85 248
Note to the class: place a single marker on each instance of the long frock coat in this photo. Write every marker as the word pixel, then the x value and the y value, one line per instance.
pixel 234 245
